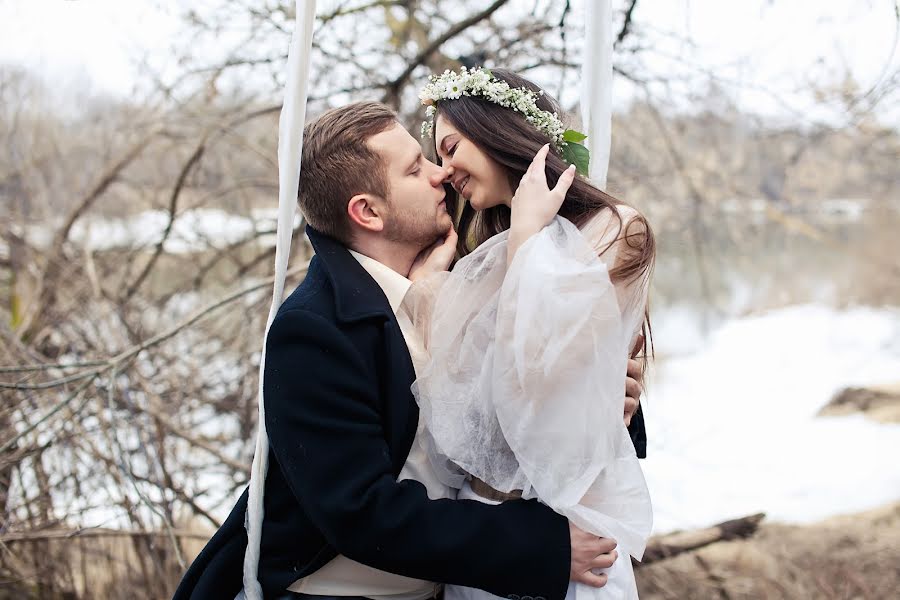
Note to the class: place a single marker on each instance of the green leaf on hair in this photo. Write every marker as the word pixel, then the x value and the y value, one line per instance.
pixel 570 135
pixel 576 154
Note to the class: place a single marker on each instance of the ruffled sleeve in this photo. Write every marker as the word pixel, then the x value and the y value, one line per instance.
pixel 523 386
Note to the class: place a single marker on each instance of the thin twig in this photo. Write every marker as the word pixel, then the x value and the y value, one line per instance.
pixel 10 443
pixel 65 534
pixel 395 85
pixel 48 366
pixel 626 24
pixel 157 339
pixel 173 205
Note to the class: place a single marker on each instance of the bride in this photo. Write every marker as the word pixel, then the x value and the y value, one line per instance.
pixel 527 338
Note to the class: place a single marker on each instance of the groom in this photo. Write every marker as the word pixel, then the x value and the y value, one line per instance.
pixel 352 506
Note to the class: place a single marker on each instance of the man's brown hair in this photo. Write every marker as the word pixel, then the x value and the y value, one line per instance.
pixel 337 164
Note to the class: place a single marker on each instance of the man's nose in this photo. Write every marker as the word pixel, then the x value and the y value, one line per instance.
pixel 442 174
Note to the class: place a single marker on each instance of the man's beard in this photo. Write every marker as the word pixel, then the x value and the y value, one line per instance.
pixel 419 232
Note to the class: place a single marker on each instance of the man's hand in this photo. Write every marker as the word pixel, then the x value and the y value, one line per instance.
pixel 634 381
pixel 590 552
pixel 436 257
pixel 633 389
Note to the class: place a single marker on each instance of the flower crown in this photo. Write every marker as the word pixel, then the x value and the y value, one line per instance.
pixel 480 82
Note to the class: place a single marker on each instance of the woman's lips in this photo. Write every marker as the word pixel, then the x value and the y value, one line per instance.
pixel 462 188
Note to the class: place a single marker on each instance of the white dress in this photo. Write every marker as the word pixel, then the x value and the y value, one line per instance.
pixel 523 386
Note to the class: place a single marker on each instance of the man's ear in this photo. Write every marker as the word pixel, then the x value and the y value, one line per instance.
pixel 366 211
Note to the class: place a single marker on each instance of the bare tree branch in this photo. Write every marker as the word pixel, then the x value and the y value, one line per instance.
pixel 393 87
pixel 626 24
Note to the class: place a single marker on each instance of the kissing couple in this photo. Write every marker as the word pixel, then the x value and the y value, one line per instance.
pixel 451 394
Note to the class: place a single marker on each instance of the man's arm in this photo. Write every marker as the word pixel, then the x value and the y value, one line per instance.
pixel 327 435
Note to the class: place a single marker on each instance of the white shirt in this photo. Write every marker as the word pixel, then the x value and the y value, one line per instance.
pixel 345 577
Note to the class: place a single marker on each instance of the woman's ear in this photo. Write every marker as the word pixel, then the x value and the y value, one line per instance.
pixel 366 212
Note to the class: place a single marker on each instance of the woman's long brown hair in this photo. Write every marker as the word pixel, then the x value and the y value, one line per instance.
pixel 507 138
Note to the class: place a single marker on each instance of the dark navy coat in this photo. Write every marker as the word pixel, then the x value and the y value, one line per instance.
pixel 341 419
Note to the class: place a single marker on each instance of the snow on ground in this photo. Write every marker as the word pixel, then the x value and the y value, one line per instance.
pixel 732 425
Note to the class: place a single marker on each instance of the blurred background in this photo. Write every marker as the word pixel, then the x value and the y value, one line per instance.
pixel 138 191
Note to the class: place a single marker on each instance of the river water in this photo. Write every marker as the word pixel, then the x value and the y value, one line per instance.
pixel 748 352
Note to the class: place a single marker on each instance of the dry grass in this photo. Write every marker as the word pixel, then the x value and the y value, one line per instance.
pixel 98 565
pixel 850 557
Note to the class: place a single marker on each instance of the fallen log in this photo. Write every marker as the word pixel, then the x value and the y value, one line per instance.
pixel 878 402
pixel 672 544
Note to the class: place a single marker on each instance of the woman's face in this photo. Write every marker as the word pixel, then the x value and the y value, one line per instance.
pixel 473 174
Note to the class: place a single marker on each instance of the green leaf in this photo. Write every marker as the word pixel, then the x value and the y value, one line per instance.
pixel 570 135
pixel 576 154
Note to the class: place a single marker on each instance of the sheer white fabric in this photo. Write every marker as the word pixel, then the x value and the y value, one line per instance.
pixel 290 146
pixel 524 385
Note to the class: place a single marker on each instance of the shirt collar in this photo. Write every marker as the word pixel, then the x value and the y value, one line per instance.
pixel 393 284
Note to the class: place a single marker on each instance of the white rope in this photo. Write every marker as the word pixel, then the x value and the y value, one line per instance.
pixel 290 144
pixel 596 91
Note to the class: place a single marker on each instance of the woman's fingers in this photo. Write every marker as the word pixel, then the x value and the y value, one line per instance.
pixel 530 167
pixel 539 162
pixel 565 181
pixel 436 257
pixel 444 251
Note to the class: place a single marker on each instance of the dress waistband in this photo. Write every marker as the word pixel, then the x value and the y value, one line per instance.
pixel 486 491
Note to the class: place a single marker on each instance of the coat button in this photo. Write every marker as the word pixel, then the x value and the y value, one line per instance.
pixel 539 598
pixel 527 598
pixel 514 597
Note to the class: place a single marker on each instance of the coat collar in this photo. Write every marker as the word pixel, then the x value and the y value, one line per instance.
pixel 357 295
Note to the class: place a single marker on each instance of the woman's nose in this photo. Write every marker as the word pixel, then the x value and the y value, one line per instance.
pixel 443 174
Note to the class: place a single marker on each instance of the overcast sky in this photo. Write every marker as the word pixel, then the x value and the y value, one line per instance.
pixel 778 45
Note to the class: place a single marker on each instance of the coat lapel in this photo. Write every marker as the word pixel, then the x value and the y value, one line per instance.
pixel 358 297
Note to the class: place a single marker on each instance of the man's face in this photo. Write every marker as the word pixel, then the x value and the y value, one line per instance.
pixel 415 213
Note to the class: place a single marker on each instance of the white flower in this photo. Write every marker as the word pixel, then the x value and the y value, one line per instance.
pixel 453 89
pixel 481 83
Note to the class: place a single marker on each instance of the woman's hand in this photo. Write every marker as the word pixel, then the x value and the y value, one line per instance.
pixel 436 257
pixel 534 204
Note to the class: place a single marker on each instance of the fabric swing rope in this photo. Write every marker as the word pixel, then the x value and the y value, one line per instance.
pixel 290 144
pixel 596 90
